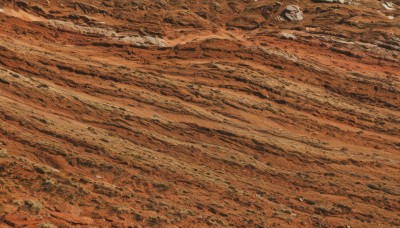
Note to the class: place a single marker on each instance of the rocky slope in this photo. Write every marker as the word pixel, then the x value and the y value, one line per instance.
pixel 199 113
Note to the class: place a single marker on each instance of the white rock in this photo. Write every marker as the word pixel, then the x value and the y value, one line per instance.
pixel 288 36
pixel 389 5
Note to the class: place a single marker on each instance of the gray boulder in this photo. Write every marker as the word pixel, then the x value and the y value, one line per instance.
pixel 293 13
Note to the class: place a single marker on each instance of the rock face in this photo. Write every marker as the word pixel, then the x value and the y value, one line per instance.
pixel 198 113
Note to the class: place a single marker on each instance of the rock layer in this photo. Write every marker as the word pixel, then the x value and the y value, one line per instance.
pixel 199 113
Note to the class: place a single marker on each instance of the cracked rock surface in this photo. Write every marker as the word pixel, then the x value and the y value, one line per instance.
pixel 117 113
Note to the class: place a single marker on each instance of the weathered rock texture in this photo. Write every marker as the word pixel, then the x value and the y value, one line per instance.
pixel 197 112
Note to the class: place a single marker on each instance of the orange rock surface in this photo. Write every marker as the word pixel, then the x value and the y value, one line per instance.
pixel 199 113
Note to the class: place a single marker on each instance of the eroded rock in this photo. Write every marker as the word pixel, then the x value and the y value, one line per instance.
pixel 293 13
pixel 334 1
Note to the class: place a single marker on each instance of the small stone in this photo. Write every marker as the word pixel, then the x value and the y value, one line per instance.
pixel 334 1
pixel 287 36
pixel 33 206
pixel 389 5
pixel 3 153
pixel 47 225
pixel 40 170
